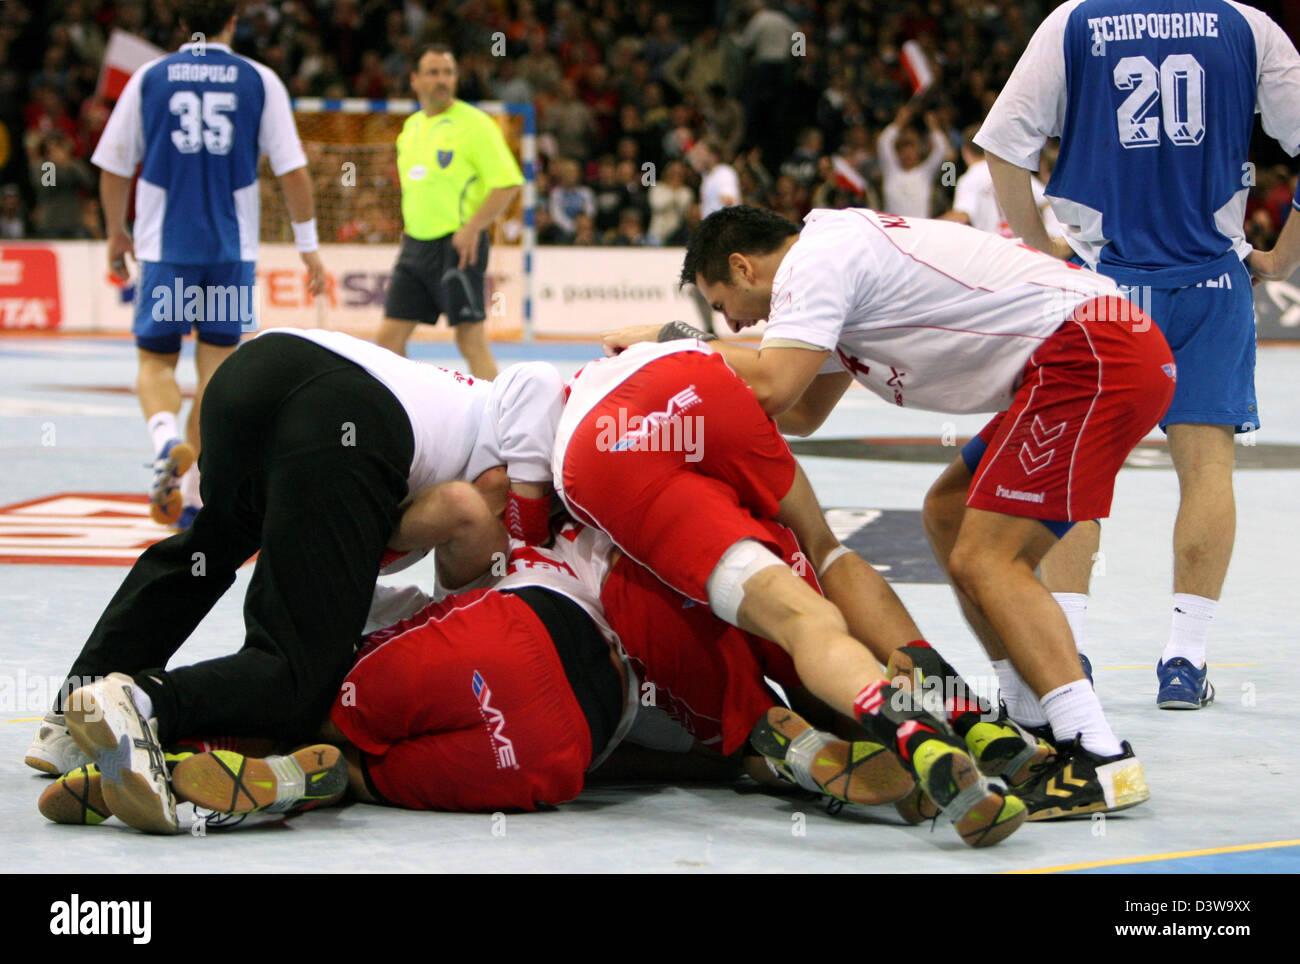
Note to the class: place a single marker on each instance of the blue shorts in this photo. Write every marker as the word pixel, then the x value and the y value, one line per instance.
pixel 1211 329
pixel 217 298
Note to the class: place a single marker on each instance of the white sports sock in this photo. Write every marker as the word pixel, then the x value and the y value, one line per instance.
pixel 143 702
pixel 1022 702
pixel 1191 628
pixel 1075 607
pixel 162 429
pixel 190 488
pixel 1074 710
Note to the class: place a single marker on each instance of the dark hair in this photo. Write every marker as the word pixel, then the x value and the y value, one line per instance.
pixel 208 17
pixel 741 229
pixel 430 49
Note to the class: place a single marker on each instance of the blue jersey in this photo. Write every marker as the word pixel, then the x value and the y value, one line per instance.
pixel 1154 102
pixel 196 123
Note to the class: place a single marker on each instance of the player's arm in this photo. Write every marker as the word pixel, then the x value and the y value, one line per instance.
pixel 1029 110
pixel 1279 263
pixel 816 403
pixel 295 185
pixel 114 198
pixel 1014 188
pixel 120 149
pixel 456 521
pixel 277 139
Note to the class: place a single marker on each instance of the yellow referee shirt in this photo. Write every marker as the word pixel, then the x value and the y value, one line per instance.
pixel 447 165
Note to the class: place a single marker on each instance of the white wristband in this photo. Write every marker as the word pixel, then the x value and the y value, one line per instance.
pixel 304 235
pixel 831 557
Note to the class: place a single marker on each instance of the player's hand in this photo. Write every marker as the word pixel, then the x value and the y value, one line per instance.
pixel 618 339
pixel 119 246
pixel 315 272
pixel 1263 266
pixel 465 241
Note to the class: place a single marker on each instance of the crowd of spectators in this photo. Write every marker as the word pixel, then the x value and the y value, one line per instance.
pixel 796 97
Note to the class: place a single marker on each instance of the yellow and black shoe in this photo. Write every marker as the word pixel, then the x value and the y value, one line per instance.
pixel 225 781
pixel 943 769
pixel 1074 782
pixel 77 797
pixel 1003 748
pixel 953 782
pixel 860 772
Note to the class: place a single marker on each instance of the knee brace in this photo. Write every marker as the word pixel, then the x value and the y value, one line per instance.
pixel 726 585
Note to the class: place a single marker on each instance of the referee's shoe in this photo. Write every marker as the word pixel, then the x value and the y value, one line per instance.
pixel 104 720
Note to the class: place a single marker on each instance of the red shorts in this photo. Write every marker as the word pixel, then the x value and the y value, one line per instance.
pixel 1089 394
pixel 704 673
pixel 677 511
pixel 465 706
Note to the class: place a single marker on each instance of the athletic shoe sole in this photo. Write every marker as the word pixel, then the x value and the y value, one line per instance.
pixel 1123 785
pixel 860 772
pixel 165 502
pixel 76 798
pixel 981 817
pixel 228 782
pixel 101 721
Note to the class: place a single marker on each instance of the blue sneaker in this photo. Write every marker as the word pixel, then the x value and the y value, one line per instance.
pixel 187 517
pixel 1183 686
pixel 173 461
pixel 1087 669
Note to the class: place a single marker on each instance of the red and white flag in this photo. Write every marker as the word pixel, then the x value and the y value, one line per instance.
pixel 125 54
pixel 846 176
pixel 918 68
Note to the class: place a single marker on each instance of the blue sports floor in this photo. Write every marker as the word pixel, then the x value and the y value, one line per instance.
pixel 1223 779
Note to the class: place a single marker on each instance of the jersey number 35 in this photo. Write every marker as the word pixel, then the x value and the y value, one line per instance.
pixel 203 122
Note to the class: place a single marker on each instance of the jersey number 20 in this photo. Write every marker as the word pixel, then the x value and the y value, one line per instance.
pixel 203 123
pixel 1179 88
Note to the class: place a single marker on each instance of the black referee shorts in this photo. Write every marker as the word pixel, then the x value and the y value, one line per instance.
pixel 427 282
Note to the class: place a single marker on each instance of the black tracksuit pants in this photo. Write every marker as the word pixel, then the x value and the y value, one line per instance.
pixel 304 460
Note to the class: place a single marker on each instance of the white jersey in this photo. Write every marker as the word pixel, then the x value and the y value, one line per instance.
pixel 461 425
pixel 715 187
pixel 597 379
pixel 926 314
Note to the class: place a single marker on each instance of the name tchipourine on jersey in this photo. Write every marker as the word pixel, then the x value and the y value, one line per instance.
pixel 203 73
pixel 1135 26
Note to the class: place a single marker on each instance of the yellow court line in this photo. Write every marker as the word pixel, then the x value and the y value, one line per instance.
pixel 1150 666
pixel 26 719
pixel 1175 855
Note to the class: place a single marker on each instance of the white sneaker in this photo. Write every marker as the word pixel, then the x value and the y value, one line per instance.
pixel 106 723
pixel 54 751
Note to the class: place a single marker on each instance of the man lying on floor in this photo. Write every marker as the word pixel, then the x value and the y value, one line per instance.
pixel 505 698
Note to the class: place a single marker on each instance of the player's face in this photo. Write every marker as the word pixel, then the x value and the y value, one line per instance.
pixel 434 82
pixel 743 303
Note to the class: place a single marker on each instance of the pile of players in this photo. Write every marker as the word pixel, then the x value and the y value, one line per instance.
pixel 331 458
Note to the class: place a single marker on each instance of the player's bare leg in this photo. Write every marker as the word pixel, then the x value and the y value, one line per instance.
pixel 1066 571
pixel 993 563
pixel 778 605
pixel 941 517
pixel 472 340
pixel 155 383
pixel 1204 532
pixel 160 400
pixel 394 334
pixel 207 358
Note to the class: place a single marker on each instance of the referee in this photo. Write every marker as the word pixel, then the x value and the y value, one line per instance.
pixel 457 177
